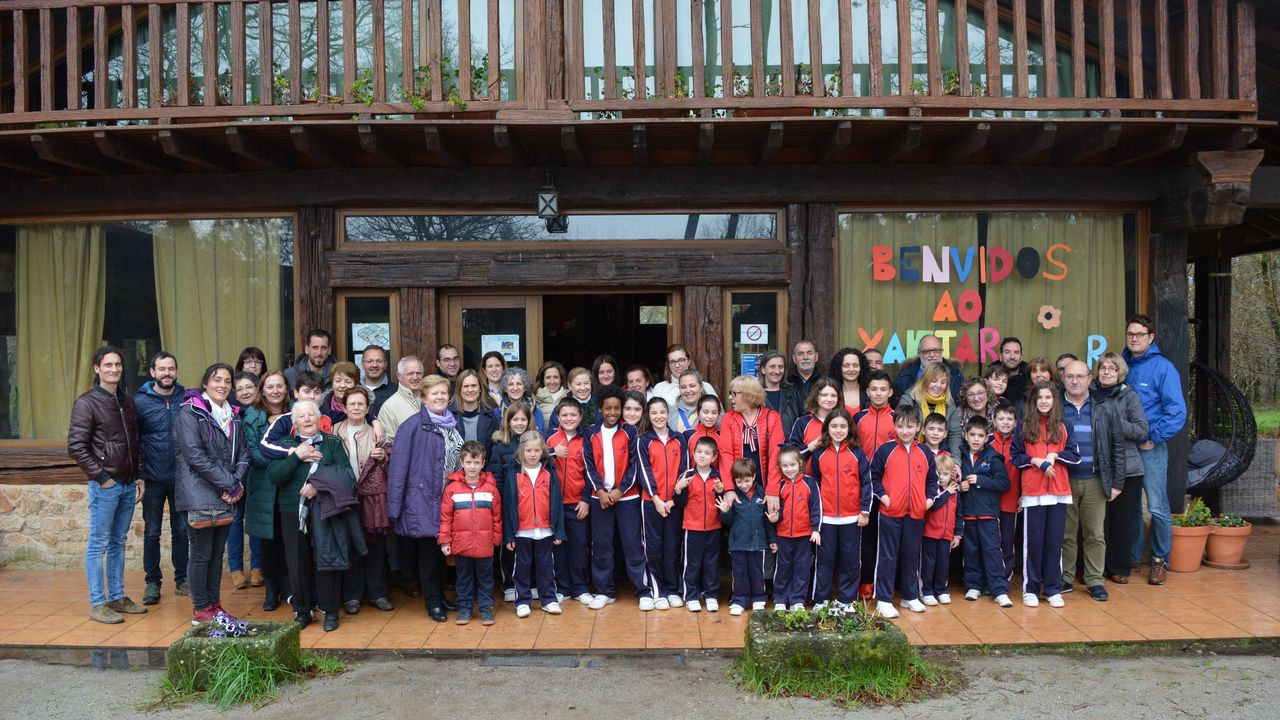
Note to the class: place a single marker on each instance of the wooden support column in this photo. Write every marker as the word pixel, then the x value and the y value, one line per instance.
pixel 1169 268
pixel 703 334
pixel 819 311
pixel 314 239
pixel 419 327
pixel 797 228
pixel 1213 337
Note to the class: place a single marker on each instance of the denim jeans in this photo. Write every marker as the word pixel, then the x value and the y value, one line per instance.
pixel 110 512
pixel 1155 484
pixel 206 565
pixel 235 544
pixel 153 502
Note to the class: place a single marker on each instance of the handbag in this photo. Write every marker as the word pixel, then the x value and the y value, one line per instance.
pixel 204 519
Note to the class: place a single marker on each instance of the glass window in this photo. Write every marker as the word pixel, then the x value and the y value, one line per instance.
pixel 471 228
pixel 753 330
pixel 200 289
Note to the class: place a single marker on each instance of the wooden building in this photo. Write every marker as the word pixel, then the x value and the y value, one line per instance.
pixel 730 174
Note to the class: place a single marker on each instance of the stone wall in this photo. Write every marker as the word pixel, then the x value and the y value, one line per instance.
pixel 46 526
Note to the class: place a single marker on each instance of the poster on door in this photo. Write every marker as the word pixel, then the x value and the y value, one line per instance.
pixel 506 345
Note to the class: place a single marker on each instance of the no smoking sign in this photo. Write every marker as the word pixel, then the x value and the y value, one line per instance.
pixel 753 334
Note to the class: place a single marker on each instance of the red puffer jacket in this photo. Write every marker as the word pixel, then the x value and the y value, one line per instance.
pixel 471 518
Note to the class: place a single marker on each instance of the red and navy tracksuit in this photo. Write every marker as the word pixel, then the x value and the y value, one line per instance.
pixel 759 441
pixel 749 537
pixel 573 556
pixel 805 430
pixel 1009 502
pixel 660 464
pixel 534 520
pixel 873 427
pixel 692 435
pixel 623 517
pixel 980 508
pixel 844 482
pixel 701 525
pixel 1044 502
pixel 800 515
pixel 907 476
pixel 471 524
pixel 941 524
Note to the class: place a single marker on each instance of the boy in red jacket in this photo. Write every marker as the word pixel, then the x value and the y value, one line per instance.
pixel 903 476
pixel 697 493
pixel 470 527
pixel 873 426
pixel 1006 423
pixel 573 556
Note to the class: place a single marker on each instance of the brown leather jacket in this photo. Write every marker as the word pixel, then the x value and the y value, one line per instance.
pixel 103 437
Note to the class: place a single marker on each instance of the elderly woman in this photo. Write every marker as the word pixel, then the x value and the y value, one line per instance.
pixel 517 387
pixel 261 515
pixel 308 451
pixel 212 461
pixel 751 430
pixel 367 578
pixel 1119 415
pixel 428 448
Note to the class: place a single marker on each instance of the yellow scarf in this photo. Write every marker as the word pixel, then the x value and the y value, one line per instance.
pixel 935 403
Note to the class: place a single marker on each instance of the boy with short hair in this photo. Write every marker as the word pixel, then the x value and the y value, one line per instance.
pixel 873 427
pixel 905 479
pixel 743 512
pixel 470 527
pixel 983 479
pixel 935 434
pixel 1005 425
pixel 697 492
pixel 573 559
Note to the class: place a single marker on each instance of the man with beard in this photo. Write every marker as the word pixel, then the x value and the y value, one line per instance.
pixel 157 404
pixel 374 362
pixel 1011 359
pixel 804 363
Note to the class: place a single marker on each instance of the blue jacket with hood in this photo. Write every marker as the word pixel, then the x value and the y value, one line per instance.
pixel 156 413
pixel 1156 381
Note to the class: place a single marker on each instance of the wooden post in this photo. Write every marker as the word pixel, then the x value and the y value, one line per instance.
pixel 820 290
pixel 314 239
pixel 419 329
pixel 797 228
pixel 1213 337
pixel 1169 268
pixel 703 333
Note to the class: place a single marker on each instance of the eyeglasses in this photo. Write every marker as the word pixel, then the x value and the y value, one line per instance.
pixel 678 361
pixel 449 360
pixel 930 351
pixel 1135 336
pixel 976 395
pixel 1075 377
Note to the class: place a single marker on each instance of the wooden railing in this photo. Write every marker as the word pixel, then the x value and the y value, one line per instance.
pixel 77 61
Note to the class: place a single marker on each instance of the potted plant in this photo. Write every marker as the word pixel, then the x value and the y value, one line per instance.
pixel 1191 530
pixel 1227 542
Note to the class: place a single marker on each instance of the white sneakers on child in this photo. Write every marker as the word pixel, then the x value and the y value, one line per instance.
pixel 972 594
pixel 759 605
pixel 646 604
pixel 551 608
pixel 914 606
pixel 509 595
pixel 675 600
pixel 694 606
pixel 661 604
pixel 886 610
pixel 600 601
pixel 735 609
pixel 522 611
pixel 944 598
pixel 929 600
pixel 1057 601
pixel 713 605
pixel 1004 601
pixel 797 606
pixel 586 598
pixel 779 607
pixel 1030 600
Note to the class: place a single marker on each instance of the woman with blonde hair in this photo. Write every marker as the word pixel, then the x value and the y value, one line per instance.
pixel 751 430
pixel 932 394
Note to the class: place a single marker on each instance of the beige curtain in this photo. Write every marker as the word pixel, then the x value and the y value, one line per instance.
pixel 1091 297
pixel 217 289
pixel 61 285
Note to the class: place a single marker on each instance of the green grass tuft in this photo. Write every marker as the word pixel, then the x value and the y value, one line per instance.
pixel 237 678
pixel 865 685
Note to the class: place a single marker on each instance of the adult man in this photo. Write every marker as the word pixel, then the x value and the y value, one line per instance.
pixel 157 404
pixel 373 360
pixel 930 350
pixel 1061 363
pixel 804 366
pixel 316 357
pixel 1159 387
pixel 405 403
pixel 1011 359
pixel 875 359
pixel 1086 515
pixel 103 440
pixel 677 362
pixel 449 364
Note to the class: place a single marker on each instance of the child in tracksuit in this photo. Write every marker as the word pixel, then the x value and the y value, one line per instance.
pixel 661 459
pixel 505 445
pixel 799 528
pixel 573 558
pixel 873 427
pixel 942 530
pixel 983 480
pixel 470 527
pixel 844 483
pixel 697 492
pixel 1006 424
pixel 903 476
pixel 750 533
pixel 709 410
pixel 533 524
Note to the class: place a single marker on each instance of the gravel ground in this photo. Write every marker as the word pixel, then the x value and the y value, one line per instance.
pixel 999 688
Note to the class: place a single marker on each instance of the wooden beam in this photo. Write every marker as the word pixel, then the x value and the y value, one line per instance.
pixel 310 143
pixel 1088 145
pixel 243 143
pixel 116 147
pixel 1169 273
pixel 772 144
pixel 373 142
pixel 902 143
pixel 506 141
pixel 59 151
pixel 966 144
pixel 640 145
pixel 21 162
pixel 571 146
pixel 1167 141
pixel 841 136
pixel 182 147
pixel 706 141
pixel 440 146
pixel 1031 143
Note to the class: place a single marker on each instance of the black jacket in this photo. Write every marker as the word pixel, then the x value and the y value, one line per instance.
pixel 103 436
pixel 336 534
pixel 156 413
pixel 790 404
pixel 983 499
pixel 1119 424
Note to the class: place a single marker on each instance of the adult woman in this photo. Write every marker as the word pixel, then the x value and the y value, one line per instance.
pixel 245 389
pixel 640 380
pixel 366 579
pixel 1118 415
pixel 779 394
pixel 492 366
pixel 684 413
pixel 516 386
pixel 261 514
pixel 475 421
pixel 550 386
pixel 343 376
pixel 309 449
pixel 1041 370
pixel 604 371
pixel 931 394
pixel 212 462
pixel 751 430
pixel 975 399
pixel 677 364
pixel 846 369
pixel 428 448
pixel 252 360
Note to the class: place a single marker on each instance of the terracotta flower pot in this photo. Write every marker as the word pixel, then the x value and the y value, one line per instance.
pixel 1226 544
pixel 1188 548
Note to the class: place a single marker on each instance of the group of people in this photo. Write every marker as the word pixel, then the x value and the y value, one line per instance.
pixel 821 487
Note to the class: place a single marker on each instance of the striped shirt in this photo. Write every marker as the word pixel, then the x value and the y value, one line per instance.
pixel 1081 421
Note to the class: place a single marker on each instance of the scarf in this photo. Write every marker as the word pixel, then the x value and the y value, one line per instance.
pixel 1108 392
pixel 447 420
pixel 935 403
pixel 221 414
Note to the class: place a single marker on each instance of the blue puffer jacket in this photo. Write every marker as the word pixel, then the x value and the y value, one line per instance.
pixel 423 455
pixel 1156 381
pixel 749 531
pixel 155 424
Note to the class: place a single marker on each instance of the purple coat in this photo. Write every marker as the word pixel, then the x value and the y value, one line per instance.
pixel 423 455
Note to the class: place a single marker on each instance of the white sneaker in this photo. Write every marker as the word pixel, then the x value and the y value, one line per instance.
pixel 694 606
pixel 886 610
pixel 600 601
pixel 560 597
pixel 1030 600
pixel 522 611
pixel 586 598
pixel 929 600
pixel 735 609
pixel 757 605
pixel 1056 601
pixel 661 604
pixel 675 600
pixel 646 604
pixel 973 594
pixel 779 607
pixel 713 605
pixel 944 599
pixel 913 605
pixel 551 608
pixel 509 595
pixel 534 591
pixel 1004 601
pixel 797 606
